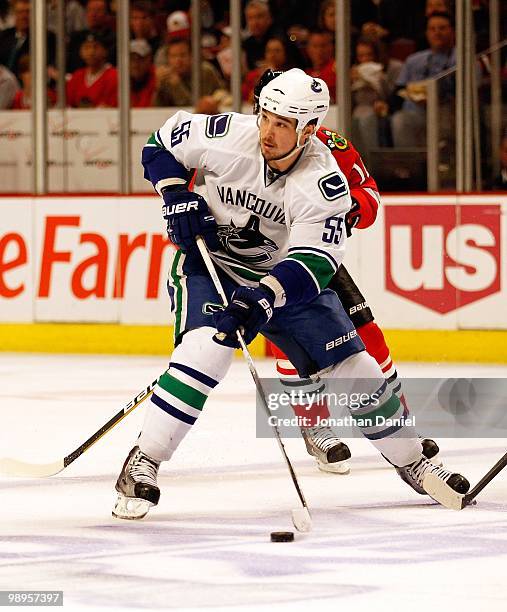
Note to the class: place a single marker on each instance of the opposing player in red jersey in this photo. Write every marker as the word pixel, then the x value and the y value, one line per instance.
pixel 321 442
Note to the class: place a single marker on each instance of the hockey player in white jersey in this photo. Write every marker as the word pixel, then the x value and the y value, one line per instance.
pixel 270 203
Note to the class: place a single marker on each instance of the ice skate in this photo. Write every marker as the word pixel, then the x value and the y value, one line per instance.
pixel 137 486
pixel 415 474
pixel 331 453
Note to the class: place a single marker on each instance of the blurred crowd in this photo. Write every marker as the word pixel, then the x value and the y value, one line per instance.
pixel 396 46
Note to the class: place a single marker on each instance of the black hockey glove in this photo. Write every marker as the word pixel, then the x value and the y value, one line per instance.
pixel 250 308
pixel 352 217
pixel 187 215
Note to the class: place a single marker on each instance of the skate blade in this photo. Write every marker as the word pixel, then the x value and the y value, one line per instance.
pixel 131 508
pixel 442 493
pixel 339 467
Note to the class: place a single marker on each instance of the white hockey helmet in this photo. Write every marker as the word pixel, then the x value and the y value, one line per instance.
pixel 296 95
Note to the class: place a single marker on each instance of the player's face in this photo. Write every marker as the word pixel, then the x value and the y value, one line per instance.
pixel 277 135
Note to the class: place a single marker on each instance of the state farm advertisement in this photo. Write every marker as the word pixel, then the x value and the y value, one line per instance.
pixel 433 262
pixel 83 259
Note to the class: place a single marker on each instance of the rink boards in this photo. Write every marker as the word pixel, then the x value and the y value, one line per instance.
pixel 428 263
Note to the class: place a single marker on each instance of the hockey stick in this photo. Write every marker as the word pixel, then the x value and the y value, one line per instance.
pixel 300 516
pixel 13 467
pixel 457 501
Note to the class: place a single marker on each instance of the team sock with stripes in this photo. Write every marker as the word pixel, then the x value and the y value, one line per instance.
pixel 198 364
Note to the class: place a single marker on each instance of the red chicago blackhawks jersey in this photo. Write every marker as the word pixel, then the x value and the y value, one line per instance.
pixel 363 188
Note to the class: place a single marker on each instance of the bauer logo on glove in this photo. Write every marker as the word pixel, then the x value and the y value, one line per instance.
pixel 171 209
pixel 187 215
pixel 249 310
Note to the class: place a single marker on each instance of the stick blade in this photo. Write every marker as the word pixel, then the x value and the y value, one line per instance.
pixel 21 469
pixel 302 520
pixel 442 493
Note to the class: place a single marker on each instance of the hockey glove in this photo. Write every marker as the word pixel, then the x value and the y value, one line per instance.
pixel 352 217
pixel 250 308
pixel 187 215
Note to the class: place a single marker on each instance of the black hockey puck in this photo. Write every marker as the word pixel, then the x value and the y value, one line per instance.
pixel 282 536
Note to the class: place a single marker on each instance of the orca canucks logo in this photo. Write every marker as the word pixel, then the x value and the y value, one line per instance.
pixel 316 86
pixel 247 244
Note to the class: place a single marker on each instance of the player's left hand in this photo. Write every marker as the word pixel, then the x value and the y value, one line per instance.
pixel 352 217
pixel 250 308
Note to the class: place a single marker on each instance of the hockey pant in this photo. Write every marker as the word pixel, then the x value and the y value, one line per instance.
pixel 361 316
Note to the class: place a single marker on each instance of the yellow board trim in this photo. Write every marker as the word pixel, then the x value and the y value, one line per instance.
pixel 95 338
pixel 475 346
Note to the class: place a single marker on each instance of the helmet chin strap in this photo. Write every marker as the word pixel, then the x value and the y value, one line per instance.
pixel 295 148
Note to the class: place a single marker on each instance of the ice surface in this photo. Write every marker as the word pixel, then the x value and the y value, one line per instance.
pixel 375 544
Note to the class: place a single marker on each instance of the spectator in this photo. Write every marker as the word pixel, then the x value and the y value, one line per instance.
pixel 224 58
pixel 178 27
pixel 436 6
pixel 209 47
pixel 298 36
pixel 142 74
pixel 390 19
pixel 409 123
pixel 431 6
pixel 75 17
pixel 23 97
pixel 259 23
pixel 6 15
pixel 142 24
pixel 97 83
pixel 327 16
pixel 277 56
pixel 8 87
pixel 499 183
pixel 98 22
pixel 175 80
pixel 368 51
pixel 372 83
pixel 15 41
pixel 320 51
pixel 208 18
pixel 374 31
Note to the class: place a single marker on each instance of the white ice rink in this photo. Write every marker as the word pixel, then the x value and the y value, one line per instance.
pixel 376 544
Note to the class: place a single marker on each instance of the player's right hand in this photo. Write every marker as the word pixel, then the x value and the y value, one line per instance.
pixel 250 308
pixel 187 215
pixel 352 217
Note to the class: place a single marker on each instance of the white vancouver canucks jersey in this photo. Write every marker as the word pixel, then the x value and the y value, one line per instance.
pixel 263 217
